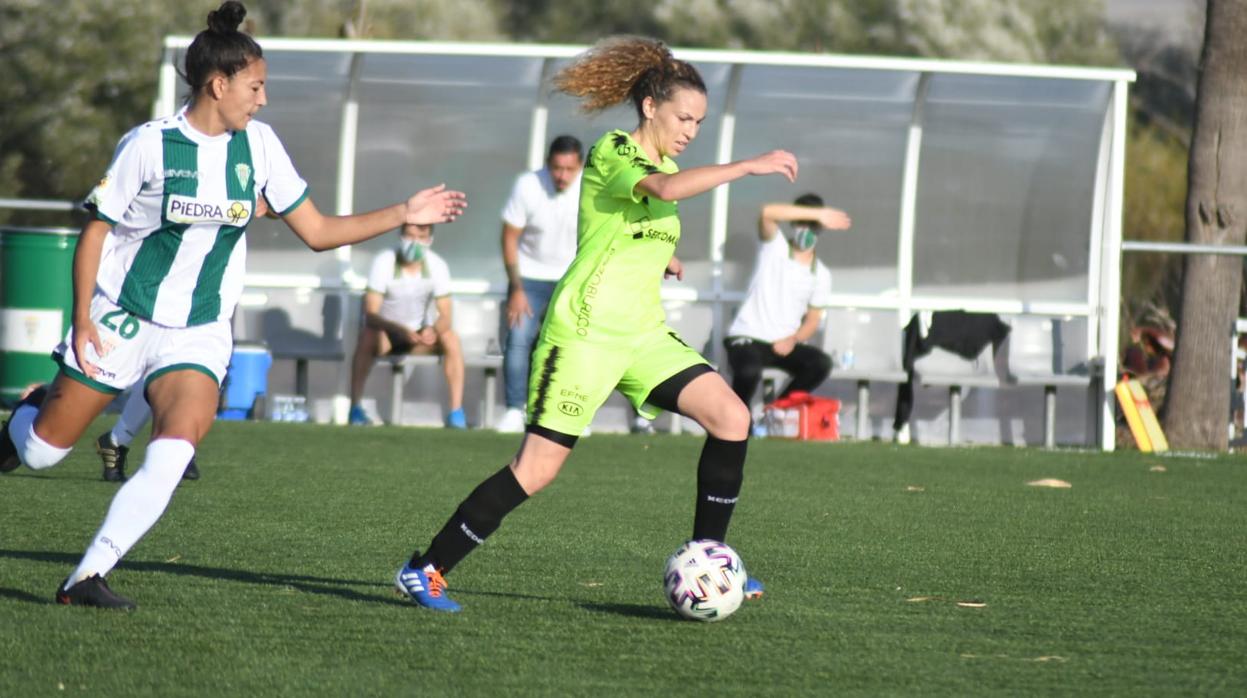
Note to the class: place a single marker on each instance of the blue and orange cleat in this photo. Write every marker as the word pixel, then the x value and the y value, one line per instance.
pixel 753 589
pixel 426 587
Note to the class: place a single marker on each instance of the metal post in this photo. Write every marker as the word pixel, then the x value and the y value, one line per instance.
pixel 863 410
pixel 718 216
pixel 344 205
pixel 1110 297
pixel 909 203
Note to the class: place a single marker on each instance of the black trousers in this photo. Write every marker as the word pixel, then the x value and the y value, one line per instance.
pixel 808 366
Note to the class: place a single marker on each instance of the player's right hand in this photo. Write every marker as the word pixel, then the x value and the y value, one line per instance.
pixel 779 162
pixel 784 347
pixel 86 335
pixel 434 205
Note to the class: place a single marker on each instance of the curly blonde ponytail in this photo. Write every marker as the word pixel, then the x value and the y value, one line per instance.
pixel 622 67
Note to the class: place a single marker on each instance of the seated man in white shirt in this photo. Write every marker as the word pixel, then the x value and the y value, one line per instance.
pixel 407 310
pixel 784 305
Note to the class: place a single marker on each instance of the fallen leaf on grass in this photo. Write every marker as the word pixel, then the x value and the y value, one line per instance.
pixel 1045 658
pixel 175 558
pixel 1050 482
pixel 914 488
pixel 1157 469
pixel 591 584
pixel 973 603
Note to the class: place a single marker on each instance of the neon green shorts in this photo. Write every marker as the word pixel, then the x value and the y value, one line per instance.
pixel 569 382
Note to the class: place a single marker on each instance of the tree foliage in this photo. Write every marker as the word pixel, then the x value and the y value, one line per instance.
pixel 1155 189
pixel 430 20
pixel 1055 31
pixel 78 73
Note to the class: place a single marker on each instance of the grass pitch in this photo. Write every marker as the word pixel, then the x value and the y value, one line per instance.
pixel 889 570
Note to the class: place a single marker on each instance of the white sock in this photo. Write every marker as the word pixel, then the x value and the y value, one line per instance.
pixel 134 415
pixel 34 452
pixel 19 427
pixel 136 507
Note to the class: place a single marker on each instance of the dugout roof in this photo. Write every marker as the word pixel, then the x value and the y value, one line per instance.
pixel 980 186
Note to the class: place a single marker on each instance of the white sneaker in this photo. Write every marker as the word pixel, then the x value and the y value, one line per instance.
pixel 512 421
pixel 641 425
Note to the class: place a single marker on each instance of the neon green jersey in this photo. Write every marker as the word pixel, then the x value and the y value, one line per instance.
pixel 625 239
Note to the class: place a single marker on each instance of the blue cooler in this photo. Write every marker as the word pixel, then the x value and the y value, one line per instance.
pixel 247 379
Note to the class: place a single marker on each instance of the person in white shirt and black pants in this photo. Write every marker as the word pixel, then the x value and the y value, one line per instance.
pixel 784 304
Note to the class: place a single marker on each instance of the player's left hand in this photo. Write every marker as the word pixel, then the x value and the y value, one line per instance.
pixel 784 347
pixel 674 268
pixel 434 205
pixel 427 336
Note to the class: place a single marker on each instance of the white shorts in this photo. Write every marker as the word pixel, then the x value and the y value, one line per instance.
pixel 139 350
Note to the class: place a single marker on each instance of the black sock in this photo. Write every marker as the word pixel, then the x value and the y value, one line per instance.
pixel 476 518
pixel 719 475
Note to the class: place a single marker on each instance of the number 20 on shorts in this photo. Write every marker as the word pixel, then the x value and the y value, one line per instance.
pixel 129 325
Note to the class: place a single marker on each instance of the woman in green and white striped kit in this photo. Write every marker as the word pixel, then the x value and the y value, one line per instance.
pixel 157 274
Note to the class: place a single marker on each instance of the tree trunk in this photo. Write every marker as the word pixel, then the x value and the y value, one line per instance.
pixel 1197 411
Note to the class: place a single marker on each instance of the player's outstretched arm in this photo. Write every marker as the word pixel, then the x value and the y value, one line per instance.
pixel 775 213
pixel 428 207
pixel 697 180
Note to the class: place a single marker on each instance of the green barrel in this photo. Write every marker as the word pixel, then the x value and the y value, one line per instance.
pixel 36 297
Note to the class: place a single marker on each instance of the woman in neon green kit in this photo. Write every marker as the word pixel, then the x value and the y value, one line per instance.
pixel 605 328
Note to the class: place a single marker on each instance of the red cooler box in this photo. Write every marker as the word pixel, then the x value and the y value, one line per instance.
pixel 803 416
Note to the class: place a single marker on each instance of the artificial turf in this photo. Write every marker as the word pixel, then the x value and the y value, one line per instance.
pixel 889 570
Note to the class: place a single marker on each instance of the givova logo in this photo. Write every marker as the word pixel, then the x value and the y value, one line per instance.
pixel 187 209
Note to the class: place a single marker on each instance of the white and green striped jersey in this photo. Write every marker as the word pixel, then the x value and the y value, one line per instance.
pixel 179 203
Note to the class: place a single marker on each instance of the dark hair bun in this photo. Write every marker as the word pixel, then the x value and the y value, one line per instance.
pixel 226 18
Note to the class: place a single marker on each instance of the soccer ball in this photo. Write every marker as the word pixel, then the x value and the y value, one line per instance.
pixel 705 580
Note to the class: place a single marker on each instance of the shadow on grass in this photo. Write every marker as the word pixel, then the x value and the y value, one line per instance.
pixel 632 610
pixel 507 595
pixel 305 583
pixel 27 474
pixel 24 596
pixel 326 586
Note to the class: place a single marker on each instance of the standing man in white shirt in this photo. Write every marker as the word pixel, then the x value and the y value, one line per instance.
pixel 784 305
pixel 407 310
pixel 538 244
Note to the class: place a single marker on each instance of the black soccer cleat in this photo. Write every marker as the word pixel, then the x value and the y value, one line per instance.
pixel 9 460
pixel 113 457
pixel 8 450
pixel 192 471
pixel 92 591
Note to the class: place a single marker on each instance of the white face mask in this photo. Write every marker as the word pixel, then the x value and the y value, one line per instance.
pixel 803 237
pixel 412 251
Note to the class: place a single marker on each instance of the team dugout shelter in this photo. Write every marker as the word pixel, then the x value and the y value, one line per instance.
pixel 983 187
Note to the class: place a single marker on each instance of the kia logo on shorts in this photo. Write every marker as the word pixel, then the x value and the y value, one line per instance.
pixel 571 409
